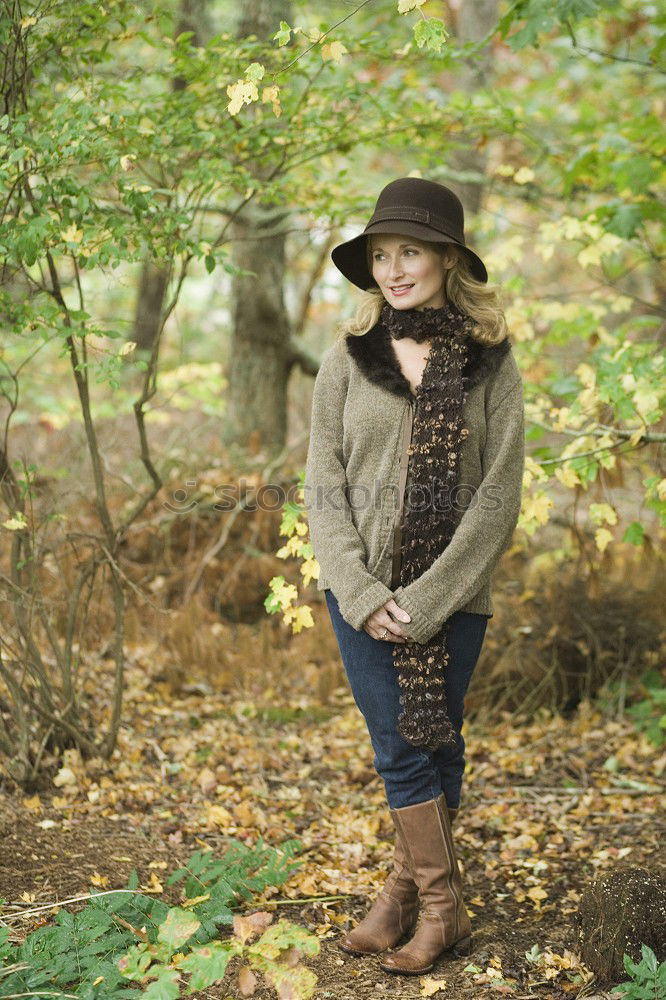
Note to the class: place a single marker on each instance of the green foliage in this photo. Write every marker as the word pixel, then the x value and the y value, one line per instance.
pixel 431 33
pixel 645 700
pixel 541 16
pixel 93 953
pixel 276 954
pixel 79 947
pixel 648 978
pixel 242 873
pixel 649 713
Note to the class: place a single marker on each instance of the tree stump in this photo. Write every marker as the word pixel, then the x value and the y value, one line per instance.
pixel 618 913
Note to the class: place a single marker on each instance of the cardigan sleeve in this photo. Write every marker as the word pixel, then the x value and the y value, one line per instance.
pixel 337 545
pixel 484 531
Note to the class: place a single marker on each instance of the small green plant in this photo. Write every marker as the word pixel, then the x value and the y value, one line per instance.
pixel 126 935
pixel 648 978
pixel 649 714
pixel 276 954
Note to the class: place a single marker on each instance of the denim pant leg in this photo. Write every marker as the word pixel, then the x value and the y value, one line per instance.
pixel 409 774
pixel 465 639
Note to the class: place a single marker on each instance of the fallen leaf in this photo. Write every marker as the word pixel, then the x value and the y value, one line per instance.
pixel 245 928
pixel 207 781
pixel 65 776
pixel 430 986
pixel 247 981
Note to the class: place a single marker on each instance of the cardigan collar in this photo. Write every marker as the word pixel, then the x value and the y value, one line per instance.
pixel 374 354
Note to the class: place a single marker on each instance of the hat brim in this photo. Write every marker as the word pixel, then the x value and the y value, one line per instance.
pixel 349 257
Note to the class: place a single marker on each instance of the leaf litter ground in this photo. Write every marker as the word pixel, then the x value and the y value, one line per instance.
pixel 547 806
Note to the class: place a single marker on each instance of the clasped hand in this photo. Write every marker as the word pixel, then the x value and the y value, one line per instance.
pixel 380 624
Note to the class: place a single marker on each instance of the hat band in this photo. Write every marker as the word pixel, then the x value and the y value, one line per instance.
pixel 410 213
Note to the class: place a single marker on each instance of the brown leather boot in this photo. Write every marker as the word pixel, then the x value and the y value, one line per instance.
pixel 425 831
pixel 392 915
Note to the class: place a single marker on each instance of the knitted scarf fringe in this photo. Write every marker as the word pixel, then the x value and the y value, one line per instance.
pixel 437 437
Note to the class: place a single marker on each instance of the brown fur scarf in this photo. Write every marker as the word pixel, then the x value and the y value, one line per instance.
pixel 430 518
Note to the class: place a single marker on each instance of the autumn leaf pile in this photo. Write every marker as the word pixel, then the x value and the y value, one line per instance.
pixel 547 806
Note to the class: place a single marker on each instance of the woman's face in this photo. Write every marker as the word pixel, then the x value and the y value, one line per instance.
pixel 409 272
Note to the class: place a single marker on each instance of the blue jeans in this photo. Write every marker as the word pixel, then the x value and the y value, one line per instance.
pixel 410 775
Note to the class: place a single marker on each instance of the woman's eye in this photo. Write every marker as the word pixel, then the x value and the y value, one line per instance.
pixel 379 254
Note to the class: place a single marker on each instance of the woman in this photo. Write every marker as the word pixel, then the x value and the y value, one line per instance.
pixel 413 487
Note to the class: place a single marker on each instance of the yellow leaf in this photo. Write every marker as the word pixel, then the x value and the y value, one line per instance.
pixel 523 175
pixel 195 901
pixel 602 537
pixel 220 816
pixel 533 471
pixel 65 776
pixel 430 986
pixel 272 94
pixel 16 523
pixel 127 348
pixel 600 512
pixel 537 507
pixel 646 400
pixel 240 93
pixel 100 880
pixel 299 618
pixel 71 234
pixel 333 51
pixel 586 374
pixel 153 886
pixel 537 893
pixel 567 476
pixel 404 6
pixel 290 549
pixel 285 594
pixel 310 571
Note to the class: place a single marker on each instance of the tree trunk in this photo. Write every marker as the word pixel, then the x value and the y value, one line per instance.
pixel 192 16
pixel 474 21
pixel 261 354
pixel 149 302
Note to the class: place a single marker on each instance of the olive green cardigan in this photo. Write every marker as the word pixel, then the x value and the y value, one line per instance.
pixel 360 402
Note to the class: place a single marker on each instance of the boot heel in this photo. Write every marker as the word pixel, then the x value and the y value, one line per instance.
pixel 462 947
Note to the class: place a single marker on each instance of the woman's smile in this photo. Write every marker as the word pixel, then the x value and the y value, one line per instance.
pixel 409 270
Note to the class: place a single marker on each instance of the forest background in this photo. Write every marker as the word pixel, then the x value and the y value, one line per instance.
pixel 173 177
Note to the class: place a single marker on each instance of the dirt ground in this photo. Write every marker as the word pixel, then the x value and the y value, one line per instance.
pixel 548 806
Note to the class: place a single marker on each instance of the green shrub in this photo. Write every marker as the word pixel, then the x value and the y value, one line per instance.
pixel 124 936
pixel 648 978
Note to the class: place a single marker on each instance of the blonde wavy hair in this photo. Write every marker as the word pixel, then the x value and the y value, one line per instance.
pixel 483 302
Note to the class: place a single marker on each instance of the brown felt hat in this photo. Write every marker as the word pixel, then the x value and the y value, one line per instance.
pixel 410 206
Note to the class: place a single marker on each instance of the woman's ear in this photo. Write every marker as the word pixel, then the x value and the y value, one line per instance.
pixel 448 256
